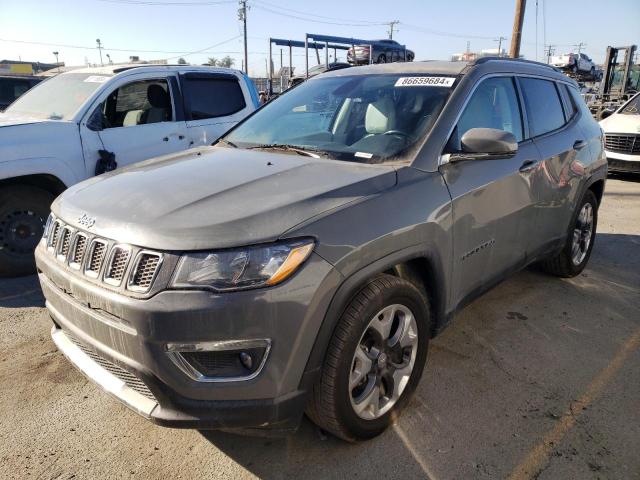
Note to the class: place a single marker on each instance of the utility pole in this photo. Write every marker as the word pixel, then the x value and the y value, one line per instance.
pixel 579 46
pixel 516 36
pixel 392 24
pixel 100 50
pixel 499 40
pixel 57 64
pixel 549 51
pixel 242 15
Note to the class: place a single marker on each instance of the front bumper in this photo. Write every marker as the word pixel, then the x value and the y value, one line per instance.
pixel 121 342
pixel 623 162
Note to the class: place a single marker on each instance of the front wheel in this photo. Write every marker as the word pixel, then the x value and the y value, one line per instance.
pixel 23 213
pixel 374 360
pixel 576 252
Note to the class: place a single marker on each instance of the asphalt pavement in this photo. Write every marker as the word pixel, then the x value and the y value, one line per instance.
pixel 539 378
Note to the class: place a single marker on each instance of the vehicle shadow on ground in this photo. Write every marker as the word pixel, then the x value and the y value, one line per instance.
pixel 20 292
pixel 475 370
pixel 625 177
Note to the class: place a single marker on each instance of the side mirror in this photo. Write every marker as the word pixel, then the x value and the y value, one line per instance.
pixel 606 113
pixel 95 121
pixel 486 143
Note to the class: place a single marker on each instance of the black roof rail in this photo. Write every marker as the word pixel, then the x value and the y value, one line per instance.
pixel 482 60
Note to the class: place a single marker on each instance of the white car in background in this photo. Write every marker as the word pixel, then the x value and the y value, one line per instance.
pixel 89 121
pixel 574 63
pixel 622 137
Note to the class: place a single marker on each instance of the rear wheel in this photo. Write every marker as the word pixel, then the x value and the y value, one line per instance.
pixel 382 58
pixel 23 213
pixel 576 252
pixel 374 360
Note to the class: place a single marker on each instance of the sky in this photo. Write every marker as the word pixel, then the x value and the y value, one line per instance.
pixel 198 29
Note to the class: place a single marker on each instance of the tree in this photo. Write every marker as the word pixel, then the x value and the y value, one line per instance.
pixel 226 62
pixel 182 61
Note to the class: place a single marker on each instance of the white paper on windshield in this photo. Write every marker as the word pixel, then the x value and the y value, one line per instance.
pixel 425 82
pixel 96 79
pixel 363 154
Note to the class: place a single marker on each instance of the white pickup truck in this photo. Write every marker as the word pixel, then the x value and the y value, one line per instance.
pixel 574 63
pixel 89 121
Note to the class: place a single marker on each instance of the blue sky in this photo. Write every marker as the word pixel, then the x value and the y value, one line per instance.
pixel 433 29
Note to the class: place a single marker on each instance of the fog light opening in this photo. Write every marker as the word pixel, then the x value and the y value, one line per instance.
pixel 246 360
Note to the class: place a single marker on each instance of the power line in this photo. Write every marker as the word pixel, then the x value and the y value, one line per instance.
pixel 170 4
pixel 286 9
pixel 441 33
pixel 326 22
pixel 83 47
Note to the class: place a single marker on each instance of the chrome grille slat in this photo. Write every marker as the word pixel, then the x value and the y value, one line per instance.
pixel 79 248
pixel 117 265
pixel 94 258
pixel 622 143
pixel 146 267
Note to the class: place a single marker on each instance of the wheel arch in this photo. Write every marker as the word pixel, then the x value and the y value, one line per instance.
pixel 47 182
pixel 422 268
pixel 597 187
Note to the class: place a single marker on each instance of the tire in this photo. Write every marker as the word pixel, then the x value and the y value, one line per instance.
pixel 382 58
pixel 592 72
pixel 331 404
pixel 23 214
pixel 565 264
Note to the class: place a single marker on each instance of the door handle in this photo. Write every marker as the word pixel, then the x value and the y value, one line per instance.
pixel 165 139
pixel 180 137
pixel 527 165
pixel 579 144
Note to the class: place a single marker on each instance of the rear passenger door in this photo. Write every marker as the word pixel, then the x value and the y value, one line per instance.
pixel 214 102
pixel 493 202
pixel 563 148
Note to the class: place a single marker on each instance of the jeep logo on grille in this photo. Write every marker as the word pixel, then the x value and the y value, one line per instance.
pixel 86 221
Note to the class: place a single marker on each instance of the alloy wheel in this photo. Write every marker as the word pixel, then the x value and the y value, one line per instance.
pixel 582 234
pixel 383 361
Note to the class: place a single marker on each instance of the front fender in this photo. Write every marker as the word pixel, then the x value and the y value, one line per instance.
pixel 40 166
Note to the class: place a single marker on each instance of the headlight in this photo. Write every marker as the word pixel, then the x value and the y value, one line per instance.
pixel 243 268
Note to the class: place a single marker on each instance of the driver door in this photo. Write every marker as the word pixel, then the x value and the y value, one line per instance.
pixel 137 121
pixel 493 200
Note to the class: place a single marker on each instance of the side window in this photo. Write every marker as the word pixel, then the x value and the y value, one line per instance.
pixel 494 104
pixel 213 97
pixel 544 108
pixel 578 101
pixel 569 102
pixel 138 103
pixel 11 89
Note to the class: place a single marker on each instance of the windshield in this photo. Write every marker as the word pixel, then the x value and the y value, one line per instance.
pixel 58 98
pixel 633 107
pixel 359 118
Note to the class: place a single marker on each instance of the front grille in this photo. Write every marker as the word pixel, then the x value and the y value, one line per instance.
pixel 79 247
pixel 98 249
pixel 55 232
pixel 90 255
pixel 128 378
pixel 65 242
pixel 622 143
pixel 117 265
pixel 145 271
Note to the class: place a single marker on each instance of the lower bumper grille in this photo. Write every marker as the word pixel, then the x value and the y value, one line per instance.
pixel 133 382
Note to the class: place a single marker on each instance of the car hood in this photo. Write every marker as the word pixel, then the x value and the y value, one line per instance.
pixel 12 119
pixel 216 197
pixel 621 123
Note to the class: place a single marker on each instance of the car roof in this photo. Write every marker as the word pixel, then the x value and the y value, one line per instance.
pixel 128 67
pixel 436 67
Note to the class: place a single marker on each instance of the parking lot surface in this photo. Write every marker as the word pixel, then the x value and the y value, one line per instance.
pixel 540 378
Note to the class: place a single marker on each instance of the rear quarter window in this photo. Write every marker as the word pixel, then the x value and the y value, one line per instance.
pixel 544 107
pixel 213 97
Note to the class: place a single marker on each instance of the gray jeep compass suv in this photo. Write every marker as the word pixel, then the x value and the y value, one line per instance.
pixel 303 262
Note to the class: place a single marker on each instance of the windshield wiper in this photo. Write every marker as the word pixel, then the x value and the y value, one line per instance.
pixel 309 152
